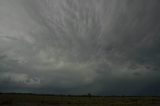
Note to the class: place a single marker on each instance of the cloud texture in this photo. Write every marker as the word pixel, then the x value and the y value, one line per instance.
pixel 104 47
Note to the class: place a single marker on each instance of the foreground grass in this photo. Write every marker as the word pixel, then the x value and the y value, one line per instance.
pixel 48 100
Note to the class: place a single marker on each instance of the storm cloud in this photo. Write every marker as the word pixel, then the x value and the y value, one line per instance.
pixel 103 47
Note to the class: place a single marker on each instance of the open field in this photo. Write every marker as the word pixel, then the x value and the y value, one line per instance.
pixel 48 100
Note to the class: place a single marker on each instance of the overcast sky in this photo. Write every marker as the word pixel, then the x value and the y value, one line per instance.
pixel 103 47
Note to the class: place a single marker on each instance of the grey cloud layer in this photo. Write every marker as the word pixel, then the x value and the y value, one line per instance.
pixel 108 47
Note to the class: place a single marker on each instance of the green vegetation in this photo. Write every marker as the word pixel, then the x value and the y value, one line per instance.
pixel 49 100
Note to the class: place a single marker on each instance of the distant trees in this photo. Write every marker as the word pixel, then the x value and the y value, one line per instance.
pixel 89 94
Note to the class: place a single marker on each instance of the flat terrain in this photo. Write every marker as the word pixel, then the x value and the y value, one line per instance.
pixel 48 100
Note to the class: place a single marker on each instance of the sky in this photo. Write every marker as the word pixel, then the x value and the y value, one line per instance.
pixel 102 47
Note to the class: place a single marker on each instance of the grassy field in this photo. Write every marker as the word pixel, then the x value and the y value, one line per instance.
pixel 48 100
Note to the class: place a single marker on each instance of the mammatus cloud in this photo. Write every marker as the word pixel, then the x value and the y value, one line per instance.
pixel 106 47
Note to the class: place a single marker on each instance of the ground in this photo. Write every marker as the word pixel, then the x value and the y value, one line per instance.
pixel 12 99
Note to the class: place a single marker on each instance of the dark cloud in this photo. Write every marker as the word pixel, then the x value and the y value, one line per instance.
pixel 105 47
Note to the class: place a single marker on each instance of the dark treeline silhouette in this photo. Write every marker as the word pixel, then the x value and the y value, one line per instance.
pixel 84 95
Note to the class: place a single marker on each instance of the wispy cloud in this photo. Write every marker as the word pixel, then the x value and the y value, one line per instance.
pixel 100 46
